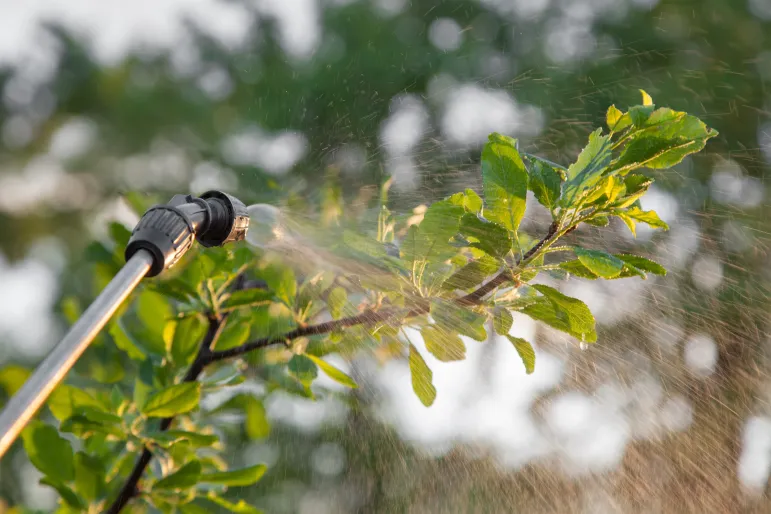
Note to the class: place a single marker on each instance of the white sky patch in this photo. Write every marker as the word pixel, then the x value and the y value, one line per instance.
pixel 445 34
pixel 73 138
pixel 471 113
pixel 755 460
pixel 700 354
pixel 298 24
pixel 276 153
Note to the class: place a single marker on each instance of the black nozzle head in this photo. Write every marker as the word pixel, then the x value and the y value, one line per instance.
pixel 168 231
pixel 229 220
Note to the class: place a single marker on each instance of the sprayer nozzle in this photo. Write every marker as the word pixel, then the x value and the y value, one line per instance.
pixel 168 231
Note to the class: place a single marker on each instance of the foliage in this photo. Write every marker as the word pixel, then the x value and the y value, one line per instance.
pixel 466 262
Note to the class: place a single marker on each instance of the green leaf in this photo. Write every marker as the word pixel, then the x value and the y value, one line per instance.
pixel 646 98
pixel 336 301
pixel 430 241
pixel 12 377
pixel 125 343
pixel 578 269
pixel 173 400
pixel 303 368
pixel 332 372
pixel 643 263
pixel 67 495
pixel 422 378
pixel 49 452
pixel 648 217
pixel 239 508
pixel 170 437
pixel 562 312
pixel 282 282
pixel 469 200
pixel 629 222
pixel 457 319
pixel 588 170
pixel 445 346
pixel 89 476
pixel 65 400
pixel 614 119
pixel 236 478
pixel 525 351
pixel 247 298
pixel 505 181
pixel 256 423
pixel 600 263
pixel 185 477
pixel 187 339
pixel 502 320
pixel 545 183
pixel 598 221
pixel 191 508
pixel 472 274
pixel 153 311
pixel 490 237
pixel 235 333
pixel 639 114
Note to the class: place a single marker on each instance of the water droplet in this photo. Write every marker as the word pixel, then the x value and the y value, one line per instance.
pixel 583 345
pixel 266 226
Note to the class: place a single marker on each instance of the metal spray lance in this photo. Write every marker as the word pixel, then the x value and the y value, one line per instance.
pixel 162 236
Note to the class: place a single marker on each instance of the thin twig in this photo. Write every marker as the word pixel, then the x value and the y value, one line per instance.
pixel 216 323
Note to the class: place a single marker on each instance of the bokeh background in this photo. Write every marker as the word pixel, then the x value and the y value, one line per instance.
pixel 269 98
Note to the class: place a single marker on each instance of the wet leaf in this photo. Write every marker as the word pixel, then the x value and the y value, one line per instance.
pixel 643 263
pixel 649 217
pixel 545 183
pixel 422 378
pixel 588 170
pixel 502 320
pixel 247 298
pixel 600 263
pixel 472 274
pixel 491 238
pixel 458 319
pixel 336 301
pixel 186 340
pixel 525 351
pixel 564 313
pixel 332 372
pixel 445 346
pixel 505 182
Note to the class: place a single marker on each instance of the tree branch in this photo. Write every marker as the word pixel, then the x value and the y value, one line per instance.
pixel 130 489
pixel 370 316
pixel 216 323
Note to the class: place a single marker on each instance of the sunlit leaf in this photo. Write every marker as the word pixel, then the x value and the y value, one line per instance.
pixel 124 342
pixel 545 183
pixel 472 274
pixel 336 301
pixel 186 339
pixel 12 377
pixel 185 477
pixel 643 263
pixel 247 298
pixel 66 399
pixel 649 217
pixel 525 351
pixel 442 344
pixel 616 120
pixel 422 378
pixel 646 98
pixel 239 508
pixel 458 319
pixel 281 281
pixel 588 169
pixel 490 237
pixel 600 263
pixel 237 477
pixel 332 372
pixel 173 400
pixel 502 320
pixel 562 312
pixel 578 269
pixel 169 437
pixel 235 333
pixel 505 182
